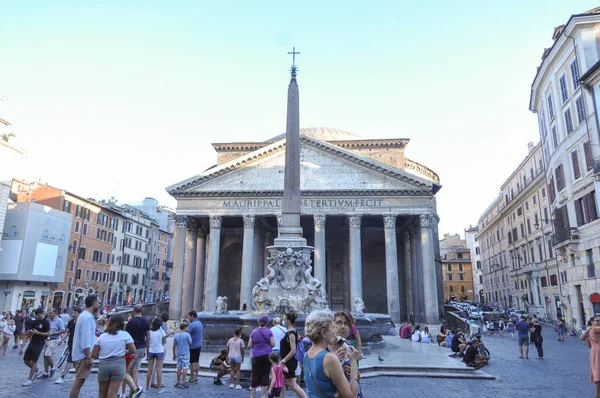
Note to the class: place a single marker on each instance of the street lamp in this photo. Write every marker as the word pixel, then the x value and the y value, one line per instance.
pixel 545 221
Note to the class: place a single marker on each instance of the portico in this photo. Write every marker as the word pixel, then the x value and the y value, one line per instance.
pixel 372 227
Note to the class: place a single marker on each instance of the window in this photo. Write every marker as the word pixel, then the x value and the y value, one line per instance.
pixel 526 205
pixel 74 248
pixel 76 226
pixel 84 229
pixel 82 253
pixel 78 276
pixel 561 217
pixel 460 268
pixel 462 289
pixel 522 230
pixel 72 266
pixel 78 211
pixel 551 190
pixel 564 91
pixel 575 161
pixel 585 208
pixel 451 289
pixel 580 109
pixel 575 74
pixel 534 200
pixel 568 121
pixel 529 226
pixel 550 106
pixel 587 150
pixel 591 267
pixel 450 267
pixel 545 213
pixel 554 137
pixel 543 192
pixel 553 280
pixel 449 277
pixel 519 211
pixel 67 206
pixel 560 177
pixel 478 264
pixel 544 281
pixel 541 252
pixel 46 235
pixel 461 277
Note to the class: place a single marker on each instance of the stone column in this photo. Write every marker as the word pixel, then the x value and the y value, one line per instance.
pixel 408 275
pixel 176 289
pixel 247 262
pixel 189 273
pixel 212 271
pixel 391 269
pixel 266 254
pixel 259 253
pixel 530 291
pixel 538 291
pixel 430 305
pixel 417 284
pixel 200 270
pixel 320 261
pixel 355 260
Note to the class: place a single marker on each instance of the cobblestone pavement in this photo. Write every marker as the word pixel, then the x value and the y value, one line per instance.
pixel 565 370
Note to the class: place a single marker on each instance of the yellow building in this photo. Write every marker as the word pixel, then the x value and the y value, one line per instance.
pixel 458 275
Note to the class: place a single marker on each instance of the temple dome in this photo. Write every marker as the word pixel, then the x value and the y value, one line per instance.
pixel 322 134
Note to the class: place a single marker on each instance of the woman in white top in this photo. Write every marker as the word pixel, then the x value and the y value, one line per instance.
pixel 7 326
pixel 425 336
pixel 416 336
pixel 110 348
pixel 156 354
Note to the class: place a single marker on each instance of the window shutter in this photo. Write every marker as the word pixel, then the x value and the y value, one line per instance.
pixel 551 192
pixel 579 212
pixel 575 160
pixel 587 149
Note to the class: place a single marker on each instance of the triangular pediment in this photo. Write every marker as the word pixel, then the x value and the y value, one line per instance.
pixel 323 168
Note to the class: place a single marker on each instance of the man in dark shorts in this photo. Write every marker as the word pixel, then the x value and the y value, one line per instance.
pixel 20 317
pixel 523 328
pixel 139 329
pixel 195 330
pixel 459 344
pixel 472 357
pixel 69 336
pixel 38 333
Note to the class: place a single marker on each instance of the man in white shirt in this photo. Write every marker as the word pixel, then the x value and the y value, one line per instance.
pixel 83 341
pixel 278 332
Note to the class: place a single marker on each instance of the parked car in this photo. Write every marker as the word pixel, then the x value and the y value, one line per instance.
pixel 475 314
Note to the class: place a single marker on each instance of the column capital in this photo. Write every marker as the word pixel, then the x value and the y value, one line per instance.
pixel 181 221
pixel 319 220
pixel 354 221
pixel 192 225
pixel 249 221
pixel 389 222
pixel 428 220
pixel 202 231
pixel 216 221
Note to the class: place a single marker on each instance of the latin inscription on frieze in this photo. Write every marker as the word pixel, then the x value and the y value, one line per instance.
pixel 322 203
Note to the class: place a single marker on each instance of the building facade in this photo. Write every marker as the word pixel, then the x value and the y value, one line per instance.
pixel 458 275
pixel 568 124
pixel 476 267
pixel 90 242
pixel 365 206
pixel 519 267
pixel 34 255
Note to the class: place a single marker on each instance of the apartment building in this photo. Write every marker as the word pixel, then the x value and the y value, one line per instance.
pixel 473 246
pixel 563 95
pixel 457 275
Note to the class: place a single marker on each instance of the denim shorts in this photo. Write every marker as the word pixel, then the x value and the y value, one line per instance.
pixel 156 355
pixel 235 359
pixel 183 361
pixel 560 331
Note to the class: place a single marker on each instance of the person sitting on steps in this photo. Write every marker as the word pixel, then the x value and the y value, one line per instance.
pixel 459 344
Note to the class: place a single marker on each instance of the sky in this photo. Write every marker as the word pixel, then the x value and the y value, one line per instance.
pixel 124 98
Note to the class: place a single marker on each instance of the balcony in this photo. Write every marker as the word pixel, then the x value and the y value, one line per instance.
pixel 567 236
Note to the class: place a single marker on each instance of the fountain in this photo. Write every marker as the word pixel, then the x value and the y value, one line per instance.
pixel 289 284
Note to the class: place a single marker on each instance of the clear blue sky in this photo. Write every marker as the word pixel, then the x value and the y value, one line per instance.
pixel 124 98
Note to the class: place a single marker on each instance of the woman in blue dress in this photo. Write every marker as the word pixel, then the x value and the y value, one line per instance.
pixel 323 373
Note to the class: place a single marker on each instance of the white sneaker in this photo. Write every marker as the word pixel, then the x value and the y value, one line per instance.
pixel 231 385
pixel 238 387
pixel 27 383
pixel 258 388
pixel 60 380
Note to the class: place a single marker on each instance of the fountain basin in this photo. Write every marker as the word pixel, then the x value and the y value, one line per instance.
pixel 219 328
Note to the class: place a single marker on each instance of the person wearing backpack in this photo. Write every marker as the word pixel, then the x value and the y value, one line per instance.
pixel 289 350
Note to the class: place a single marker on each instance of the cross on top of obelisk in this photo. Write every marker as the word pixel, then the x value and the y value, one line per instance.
pixel 293 53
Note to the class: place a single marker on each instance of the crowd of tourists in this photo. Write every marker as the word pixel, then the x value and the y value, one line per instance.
pixel 325 359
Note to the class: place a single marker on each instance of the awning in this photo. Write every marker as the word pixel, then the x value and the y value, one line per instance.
pixel 595 298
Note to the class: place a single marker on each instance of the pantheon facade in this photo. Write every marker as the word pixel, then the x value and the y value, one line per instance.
pixel 368 211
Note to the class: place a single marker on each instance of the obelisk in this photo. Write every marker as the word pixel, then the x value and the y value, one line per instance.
pixel 290 231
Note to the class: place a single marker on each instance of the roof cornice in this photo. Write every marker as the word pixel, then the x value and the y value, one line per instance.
pixel 346 144
pixel 178 189
pixel 573 21
pixel 303 193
